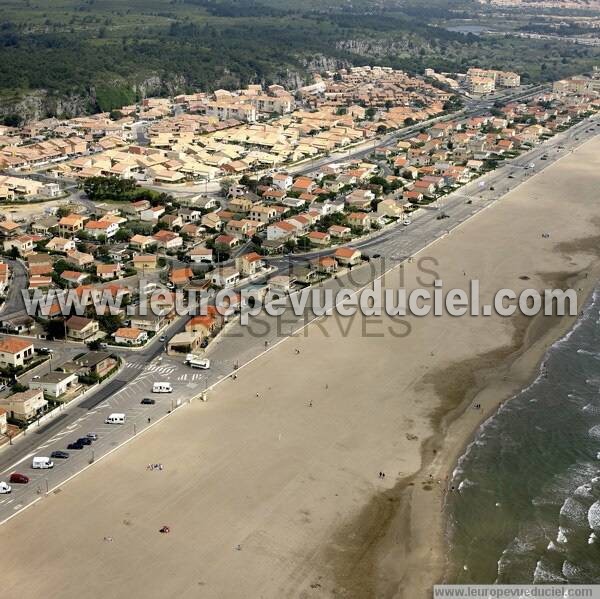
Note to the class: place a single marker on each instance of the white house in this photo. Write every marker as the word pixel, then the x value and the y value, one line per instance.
pixel 15 351
pixel 99 228
pixel 200 255
pixel 280 230
pixel 280 284
pixel 282 181
pixel 152 214
pixel 130 336
pixel 55 384
pixel 224 277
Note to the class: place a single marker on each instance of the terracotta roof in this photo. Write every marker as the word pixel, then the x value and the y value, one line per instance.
pixel 103 269
pixel 346 252
pixel 128 333
pixel 13 345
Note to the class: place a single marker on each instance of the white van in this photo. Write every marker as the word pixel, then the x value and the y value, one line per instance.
pixel 203 363
pixel 42 463
pixel 115 419
pixel 162 388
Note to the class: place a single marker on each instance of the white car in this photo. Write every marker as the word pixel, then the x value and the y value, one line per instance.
pixel 5 488
pixel 406 222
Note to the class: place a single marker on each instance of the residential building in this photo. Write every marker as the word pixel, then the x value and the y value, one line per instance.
pixel 168 240
pixel 224 277
pixel 152 214
pixel 101 228
pixel 80 259
pixel 74 277
pixel 339 231
pixel 325 264
pixel 70 225
pixel 319 238
pixel 130 336
pixel 15 351
pixel 93 363
pixel 359 220
pixel 24 406
pixel 263 214
pixel 144 262
pixel 390 207
pixel 81 328
pixel 142 242
pixel 204 324
pixel 55 384
pixel 107 272
pixel 23 244
pixel 250 264
pixel 281 230
pixel 201 255
pixel 347 256
pixel 61 245
pixel 281 283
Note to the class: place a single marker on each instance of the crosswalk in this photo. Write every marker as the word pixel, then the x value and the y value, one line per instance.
pixel 154 368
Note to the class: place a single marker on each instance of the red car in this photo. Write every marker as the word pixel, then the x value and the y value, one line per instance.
pixel 21 479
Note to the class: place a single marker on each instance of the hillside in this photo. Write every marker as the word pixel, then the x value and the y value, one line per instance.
pixel 68 57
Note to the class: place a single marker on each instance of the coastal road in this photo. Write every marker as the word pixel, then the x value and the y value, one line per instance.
pixel 237 344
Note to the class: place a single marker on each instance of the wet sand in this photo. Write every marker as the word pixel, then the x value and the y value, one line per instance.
pixel 272 496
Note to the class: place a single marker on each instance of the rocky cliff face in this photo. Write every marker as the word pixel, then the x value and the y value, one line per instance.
pixel 41 103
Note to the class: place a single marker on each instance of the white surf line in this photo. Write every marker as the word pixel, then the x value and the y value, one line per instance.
pixel 270 348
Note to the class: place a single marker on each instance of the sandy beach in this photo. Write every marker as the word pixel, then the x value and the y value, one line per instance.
pixel 279 495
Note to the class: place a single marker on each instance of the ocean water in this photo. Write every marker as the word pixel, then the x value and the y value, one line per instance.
pixel 526 505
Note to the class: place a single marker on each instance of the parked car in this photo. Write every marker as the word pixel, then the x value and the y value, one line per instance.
pixel 84 441
pixel 92 436
pixel 59 455
pixel 75 445
pixel 45 351
pixel 4 488
pixel 18 478
pixel 148 401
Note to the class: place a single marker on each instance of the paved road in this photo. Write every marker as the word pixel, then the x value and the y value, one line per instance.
pixel 14 304
pixel 237 345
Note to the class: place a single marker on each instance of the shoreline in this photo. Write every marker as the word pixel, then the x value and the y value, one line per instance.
pixel 427 512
